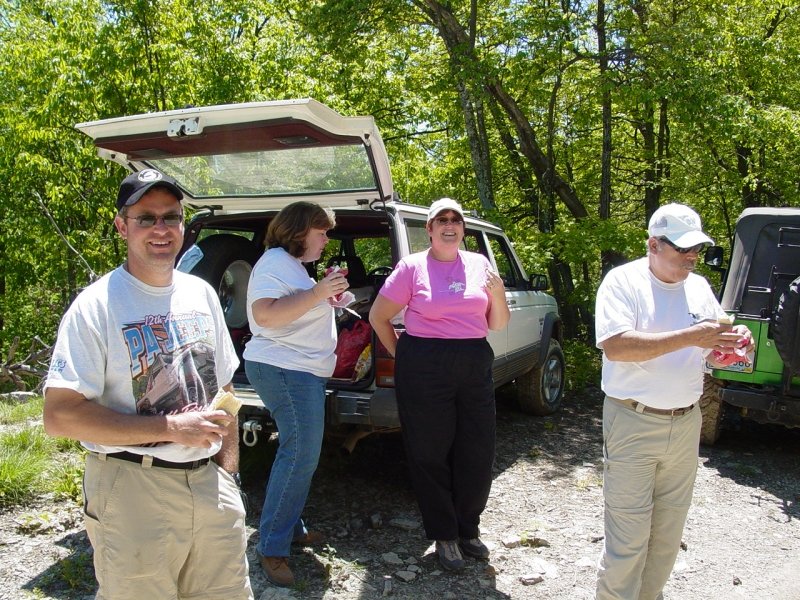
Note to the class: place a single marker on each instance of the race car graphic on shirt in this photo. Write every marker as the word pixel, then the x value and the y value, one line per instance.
pixel 172 362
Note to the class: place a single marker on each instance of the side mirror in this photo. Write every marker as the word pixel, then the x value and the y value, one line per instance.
pixel 539 282
pixel 714 257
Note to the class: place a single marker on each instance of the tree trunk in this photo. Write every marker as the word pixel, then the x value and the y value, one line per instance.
pixel 743 157
pixel 609 257
pixel 460 48
pixel 525 181
pixel 475 125
pixel 542 167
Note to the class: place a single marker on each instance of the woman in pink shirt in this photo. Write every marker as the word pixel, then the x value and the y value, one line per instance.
pixel 443 379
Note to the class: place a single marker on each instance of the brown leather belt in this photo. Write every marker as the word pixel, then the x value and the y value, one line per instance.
pixel 159 462
pixel 642 408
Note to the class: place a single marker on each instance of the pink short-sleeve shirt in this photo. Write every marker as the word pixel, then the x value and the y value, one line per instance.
pixel 443 299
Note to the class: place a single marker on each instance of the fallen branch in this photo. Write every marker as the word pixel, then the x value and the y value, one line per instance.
pixel 33 366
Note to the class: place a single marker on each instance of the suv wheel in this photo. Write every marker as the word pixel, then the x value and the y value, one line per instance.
pixel 539 391
pixel 711 407
pixel 784 330
pixel 226 264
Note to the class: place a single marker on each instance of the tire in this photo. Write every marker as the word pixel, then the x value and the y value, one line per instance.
pixel 784 329
pixel 226 265
pixel 539 391
pixel 712 409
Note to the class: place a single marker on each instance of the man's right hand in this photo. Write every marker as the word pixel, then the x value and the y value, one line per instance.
pixel 199 429
pixel 69 414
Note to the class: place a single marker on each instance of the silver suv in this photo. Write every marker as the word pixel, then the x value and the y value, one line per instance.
pixel 240 164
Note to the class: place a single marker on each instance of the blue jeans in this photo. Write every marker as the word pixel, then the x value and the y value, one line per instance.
pixel 296 401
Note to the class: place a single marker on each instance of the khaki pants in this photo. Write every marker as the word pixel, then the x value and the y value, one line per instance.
pixel 650 467
pixel 165 533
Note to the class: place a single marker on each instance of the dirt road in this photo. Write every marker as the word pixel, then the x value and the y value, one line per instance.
pixel 543 523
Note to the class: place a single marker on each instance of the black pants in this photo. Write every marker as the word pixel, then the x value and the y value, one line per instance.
pixel 445 396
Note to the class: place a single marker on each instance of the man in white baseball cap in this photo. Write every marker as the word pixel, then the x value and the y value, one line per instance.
pixel 680 225
pixel 655 320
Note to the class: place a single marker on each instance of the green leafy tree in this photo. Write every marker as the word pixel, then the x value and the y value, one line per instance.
pixel 567 122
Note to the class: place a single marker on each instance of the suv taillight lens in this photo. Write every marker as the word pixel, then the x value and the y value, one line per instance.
pixel 384 366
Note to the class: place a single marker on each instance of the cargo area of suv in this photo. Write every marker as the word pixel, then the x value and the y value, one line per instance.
pixel 238 165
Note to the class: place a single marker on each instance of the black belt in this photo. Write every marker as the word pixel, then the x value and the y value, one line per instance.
pixel 642 408
pixel 159 462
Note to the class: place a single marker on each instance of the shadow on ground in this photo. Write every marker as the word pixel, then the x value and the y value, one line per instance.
pixel 70 577
pixel 759 456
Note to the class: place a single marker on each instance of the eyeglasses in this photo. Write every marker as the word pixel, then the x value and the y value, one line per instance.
pixel 445 221
pixel 695 248
pixel 170 220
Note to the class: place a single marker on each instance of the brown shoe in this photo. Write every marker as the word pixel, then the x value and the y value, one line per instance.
pixel 277 570
pixel 309 538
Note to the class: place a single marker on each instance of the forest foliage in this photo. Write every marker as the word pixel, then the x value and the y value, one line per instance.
pixel 567 122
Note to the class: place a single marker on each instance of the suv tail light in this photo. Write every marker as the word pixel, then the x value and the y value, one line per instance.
pixel 384 366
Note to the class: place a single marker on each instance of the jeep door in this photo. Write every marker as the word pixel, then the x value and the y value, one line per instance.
pixel 254 156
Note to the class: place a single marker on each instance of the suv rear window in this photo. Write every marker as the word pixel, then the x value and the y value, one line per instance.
pixel 285 172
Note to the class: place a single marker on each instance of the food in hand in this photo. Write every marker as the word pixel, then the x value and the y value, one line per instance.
pixel 739 354
pixel 343 300
pixel 227 402
pixel 729 358
pixel 336 269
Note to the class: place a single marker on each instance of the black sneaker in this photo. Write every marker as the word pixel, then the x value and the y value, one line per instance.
pixel 474 547
pixel 449 555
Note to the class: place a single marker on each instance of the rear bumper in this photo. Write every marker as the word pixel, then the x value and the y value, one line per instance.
pixel 375 408
pixel 372 408
pixel 764 407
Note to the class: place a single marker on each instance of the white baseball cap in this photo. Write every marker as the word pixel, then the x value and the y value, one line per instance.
pixel 679 224
pixel 443 204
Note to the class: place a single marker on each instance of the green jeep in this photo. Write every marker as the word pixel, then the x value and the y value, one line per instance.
pixel 761 289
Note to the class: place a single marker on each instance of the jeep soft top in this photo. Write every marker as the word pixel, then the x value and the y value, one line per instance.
pixel 761 287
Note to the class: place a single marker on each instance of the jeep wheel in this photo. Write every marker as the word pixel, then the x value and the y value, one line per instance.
pixel 539 391
pixel 226 264
pixel 711 407
pixel 784 330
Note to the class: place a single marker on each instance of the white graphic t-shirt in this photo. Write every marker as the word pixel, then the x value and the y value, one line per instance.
pixel 145 350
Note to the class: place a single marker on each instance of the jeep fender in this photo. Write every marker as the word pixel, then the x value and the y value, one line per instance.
pixel 551 328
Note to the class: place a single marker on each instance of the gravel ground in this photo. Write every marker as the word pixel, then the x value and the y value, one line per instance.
pixel 543 522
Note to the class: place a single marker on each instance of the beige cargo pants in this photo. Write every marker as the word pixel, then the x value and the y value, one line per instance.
pixel 650 464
